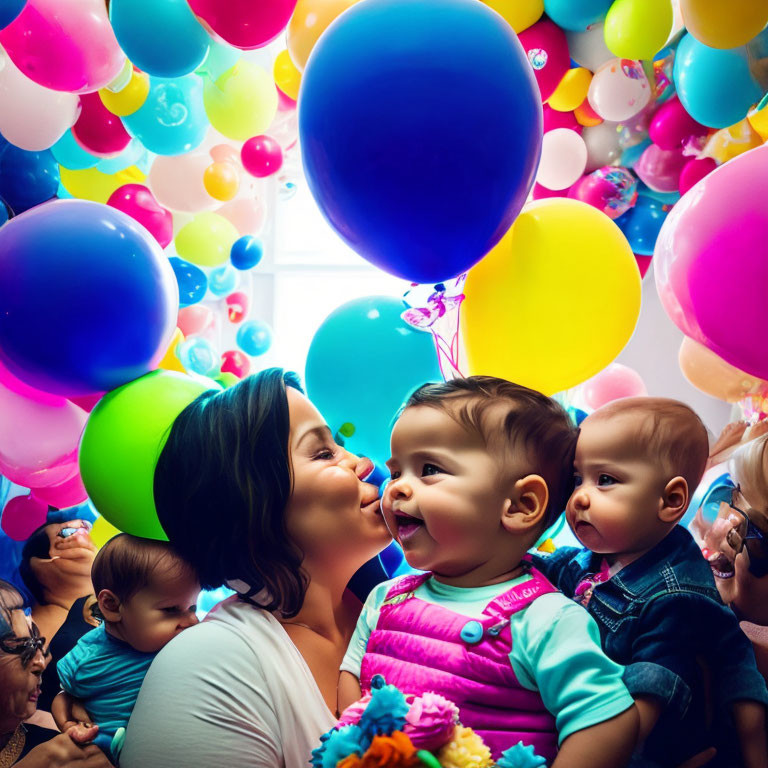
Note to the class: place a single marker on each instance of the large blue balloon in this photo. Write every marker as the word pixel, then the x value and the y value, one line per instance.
pixel 161 38
pixel 715 86
pixel 420 129
pixel 88 301
pixel 27 178
pixel 172 120
pixel 641 224
pixel 363 363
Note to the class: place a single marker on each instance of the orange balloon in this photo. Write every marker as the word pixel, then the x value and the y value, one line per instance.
pixel 310 19
pixel 713 376
pixel 221 180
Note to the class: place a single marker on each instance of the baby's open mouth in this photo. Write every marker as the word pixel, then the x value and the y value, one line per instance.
pixel 407 525
pixel 721 566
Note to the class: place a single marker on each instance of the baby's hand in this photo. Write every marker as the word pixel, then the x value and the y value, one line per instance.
pixel 82 733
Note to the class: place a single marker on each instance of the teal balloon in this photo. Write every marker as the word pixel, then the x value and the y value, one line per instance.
pixel 172 120
pixel 161 37
pixel 71 155
pixel 576 15
pixel 632 154
pixel 220 58
pixel 128 157
pixel 363 362
pixel 715 86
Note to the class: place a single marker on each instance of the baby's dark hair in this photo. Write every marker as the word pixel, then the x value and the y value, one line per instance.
pixel 126 564
pixel 532 423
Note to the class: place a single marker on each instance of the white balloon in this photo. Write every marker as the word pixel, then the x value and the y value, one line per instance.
pixel 603 145
pixel 588 49
pixel 32 117
pixel 619 90
pixel 563 159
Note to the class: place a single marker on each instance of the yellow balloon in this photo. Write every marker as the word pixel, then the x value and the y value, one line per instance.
pixel 242 102
pixel 91 184
pixel 555 301
pixel 310 19
pixel 638 29
pixel 572 90
pixel 730 142
pixel 520 14
pixel 103 531
pixel 758 119
pixel 129 99
pixel 724 23
pixel 170 362
pixel 221 181
pixel 287 77
pixel 206 240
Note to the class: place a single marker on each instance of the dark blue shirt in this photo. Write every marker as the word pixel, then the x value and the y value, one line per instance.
pixel 661 616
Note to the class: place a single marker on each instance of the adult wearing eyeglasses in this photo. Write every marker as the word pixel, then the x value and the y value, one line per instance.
pixel 22 662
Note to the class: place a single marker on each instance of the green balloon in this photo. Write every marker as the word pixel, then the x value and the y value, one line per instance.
pixel 122 441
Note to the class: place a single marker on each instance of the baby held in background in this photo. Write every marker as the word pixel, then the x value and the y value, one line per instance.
pixel 480 468
pixel 147 595
pixel 641 576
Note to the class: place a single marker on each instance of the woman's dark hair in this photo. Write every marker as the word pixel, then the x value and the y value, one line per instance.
pixel 10 601
pixel 222 483
pixel 37 545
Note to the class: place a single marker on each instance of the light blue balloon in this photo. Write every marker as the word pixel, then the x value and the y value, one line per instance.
pixel 632 154
pixel 198 356
pixel 125 159
pixel 254 337
pixel 715 86
pixel 161 37
pixel 666 198
pixel 222 280
pixel 641 224
pixel 363 362
pixel 4 216
pixel 220 58
pixel 576 15
pixel 172 120
pixel 71 155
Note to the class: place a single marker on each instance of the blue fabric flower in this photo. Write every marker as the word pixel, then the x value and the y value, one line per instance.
pixel 520 756
pixel 346 741
pixel 317 753
pixel 385 712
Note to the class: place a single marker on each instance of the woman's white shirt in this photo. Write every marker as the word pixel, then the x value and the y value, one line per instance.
pixel 231 691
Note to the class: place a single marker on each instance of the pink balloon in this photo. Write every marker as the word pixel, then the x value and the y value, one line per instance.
pixel 68 494
pixel 660 168
pixel 177 182
pixel 547 51
pixel 711 265
pixel 244 23
pixel 614 382
pixel 224 153
pixel 284 101
pixel 554 119
pixel 611 190
pixel 540 192
pixel 97 130
pixel 261 156
pixel 234 361
pixel 38 442
pixel 694 171
pixel 140 204
pixel 672 126
pixel 87 402
pixel 9 381
pixel 65 45
pixel 194 319
pixel 643 264
pixel 246 214
pixel 237 306
pixel 22 516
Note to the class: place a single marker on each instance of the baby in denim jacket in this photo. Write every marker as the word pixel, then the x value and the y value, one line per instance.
pixel 643 579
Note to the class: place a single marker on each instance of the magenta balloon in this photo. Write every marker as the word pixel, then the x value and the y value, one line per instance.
pixel 660 168
pixel 140 204
pixel 9 381
pixel 609 189
pixel 244 23
pixel 671 125
pixel 712 262
pixel 553 119
pixel 65 45
pixel 694 171
pixel 261 156
pixel 68 494
pixel 97 130
pixel 546 47
pixel 22 516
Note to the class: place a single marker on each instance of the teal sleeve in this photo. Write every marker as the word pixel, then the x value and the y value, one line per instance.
pixel 67 669
pixel 353 659
pixel 556 650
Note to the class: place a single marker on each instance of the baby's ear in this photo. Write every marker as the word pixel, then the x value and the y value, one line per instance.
pixel 525 508
pixel 675 500
pixel 109 605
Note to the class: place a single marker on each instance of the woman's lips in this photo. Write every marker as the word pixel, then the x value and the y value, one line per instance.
pixel 35 694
